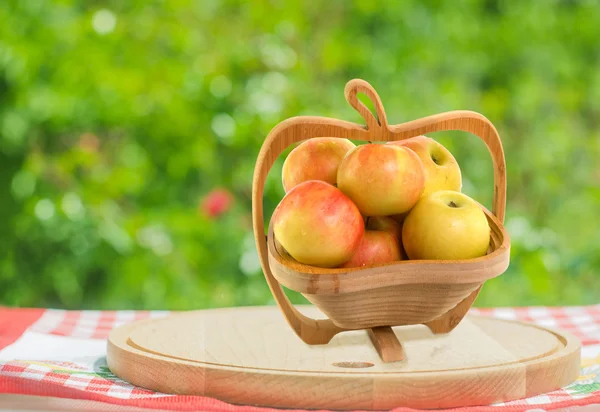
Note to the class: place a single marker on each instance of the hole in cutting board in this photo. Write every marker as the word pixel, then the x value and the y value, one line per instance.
pixel 353 364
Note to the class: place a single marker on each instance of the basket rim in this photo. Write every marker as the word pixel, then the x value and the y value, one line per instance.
pixel 316 280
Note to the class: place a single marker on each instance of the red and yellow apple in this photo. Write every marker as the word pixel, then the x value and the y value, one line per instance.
pixel 376 247
pixel 446 225
pixel 441 168
pixel 387 224
pixel 315 159
pixel 380 179
pixel 318 225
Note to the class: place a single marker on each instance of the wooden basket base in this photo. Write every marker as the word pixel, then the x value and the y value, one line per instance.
pixel 389 347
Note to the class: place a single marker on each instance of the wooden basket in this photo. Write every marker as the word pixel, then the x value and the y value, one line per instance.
pixel 437 294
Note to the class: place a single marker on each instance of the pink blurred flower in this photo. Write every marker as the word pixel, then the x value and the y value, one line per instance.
pixel 216 202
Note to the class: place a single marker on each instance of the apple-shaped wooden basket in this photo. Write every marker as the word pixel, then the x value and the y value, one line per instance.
pixel 436 293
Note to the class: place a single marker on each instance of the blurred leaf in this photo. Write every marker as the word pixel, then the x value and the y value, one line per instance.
pixel 118 118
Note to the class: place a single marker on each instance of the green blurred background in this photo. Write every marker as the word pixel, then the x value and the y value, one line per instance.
pixel 129 132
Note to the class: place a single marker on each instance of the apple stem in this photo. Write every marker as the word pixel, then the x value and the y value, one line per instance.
pixel 452 204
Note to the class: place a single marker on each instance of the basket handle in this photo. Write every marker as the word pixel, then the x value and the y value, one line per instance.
pixel 296 129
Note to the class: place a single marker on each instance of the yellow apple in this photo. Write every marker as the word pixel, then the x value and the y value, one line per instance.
pixel 318 225
pixel 376 247
pixel 315 159
pixel 381 179
pixel 441 168
pixel 446 225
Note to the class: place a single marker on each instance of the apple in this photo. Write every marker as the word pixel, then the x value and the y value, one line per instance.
pixel 376 247
pixel 441 168
pixel 400 218
pixel 446 225
pixel 387 224
pixel 384 224
pixel 315 159
pixel 381 179
pixel 318 225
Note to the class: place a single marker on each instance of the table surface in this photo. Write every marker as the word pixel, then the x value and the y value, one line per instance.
pixel 56 359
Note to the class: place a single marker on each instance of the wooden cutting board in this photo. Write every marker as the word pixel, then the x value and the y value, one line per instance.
pixel 250 356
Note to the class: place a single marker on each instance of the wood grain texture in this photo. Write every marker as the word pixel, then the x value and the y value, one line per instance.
pixel 248 356
pixel 392 305
pixel 318 283
pixel 386 344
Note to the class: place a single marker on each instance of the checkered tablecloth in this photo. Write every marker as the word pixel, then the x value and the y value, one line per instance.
pixel 61 354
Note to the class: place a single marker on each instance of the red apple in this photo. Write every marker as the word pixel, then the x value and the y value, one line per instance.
pixel 387 224
pixel 382 180
pixel 376 247
pixel 318 225
pixel 441 168
pixel 384 224
pixel 315 159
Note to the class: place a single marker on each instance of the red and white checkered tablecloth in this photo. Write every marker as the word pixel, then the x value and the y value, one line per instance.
pixel 61 354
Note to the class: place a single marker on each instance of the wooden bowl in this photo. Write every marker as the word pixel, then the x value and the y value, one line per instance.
pixel 407 292
pixel 435 293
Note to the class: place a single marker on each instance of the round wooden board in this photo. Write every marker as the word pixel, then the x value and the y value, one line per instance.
pixel 250 356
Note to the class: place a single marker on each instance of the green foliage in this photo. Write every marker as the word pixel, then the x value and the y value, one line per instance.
pixel 117 118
